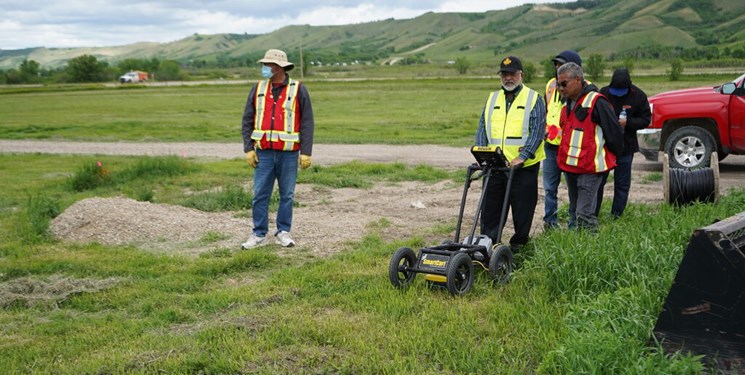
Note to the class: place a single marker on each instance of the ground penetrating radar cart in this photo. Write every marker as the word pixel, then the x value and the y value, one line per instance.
pixel 451 264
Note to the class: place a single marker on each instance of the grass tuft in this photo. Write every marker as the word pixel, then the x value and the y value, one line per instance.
pixel 90 176
pixel 32 225
pixel 229 198
pixel 157 167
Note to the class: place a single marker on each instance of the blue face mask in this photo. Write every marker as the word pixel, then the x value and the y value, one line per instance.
pixel 266 71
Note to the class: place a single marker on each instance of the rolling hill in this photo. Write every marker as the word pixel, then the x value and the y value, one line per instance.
pixel 638 28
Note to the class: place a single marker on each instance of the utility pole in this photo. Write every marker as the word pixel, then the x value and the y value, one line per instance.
pixel 302 66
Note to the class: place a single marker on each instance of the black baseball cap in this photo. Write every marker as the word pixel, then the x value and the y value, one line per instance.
pixel 510 64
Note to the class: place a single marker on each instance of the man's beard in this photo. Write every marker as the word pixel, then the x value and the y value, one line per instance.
pixel 509 87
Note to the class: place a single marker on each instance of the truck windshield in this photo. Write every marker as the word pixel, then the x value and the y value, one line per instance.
pixel 739 80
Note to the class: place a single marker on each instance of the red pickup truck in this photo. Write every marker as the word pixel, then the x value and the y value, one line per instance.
pixel 688 125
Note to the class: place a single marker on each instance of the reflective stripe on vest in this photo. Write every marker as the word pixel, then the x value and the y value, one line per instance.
pixel 509 129
pixel 292 90
pixel 575 146
pixel 262 89
pixel 287 134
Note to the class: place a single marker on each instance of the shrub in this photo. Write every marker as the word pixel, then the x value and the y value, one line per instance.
pixel 676 69
pixel 594 67
pixel 90 176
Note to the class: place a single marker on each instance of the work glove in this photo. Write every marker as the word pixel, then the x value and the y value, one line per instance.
pixel 304 161
pixel 252 159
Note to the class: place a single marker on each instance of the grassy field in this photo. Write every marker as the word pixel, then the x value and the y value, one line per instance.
pixel 578 302
pixel 403 111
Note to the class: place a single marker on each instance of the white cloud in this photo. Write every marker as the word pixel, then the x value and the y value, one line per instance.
pixel 96 23
pixel 356 14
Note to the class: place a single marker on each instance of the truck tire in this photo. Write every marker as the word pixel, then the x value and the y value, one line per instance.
pixel 690 147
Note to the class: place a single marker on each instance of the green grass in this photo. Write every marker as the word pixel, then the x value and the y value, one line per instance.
pixel 391 111
pixel 578 303
pixel 651 177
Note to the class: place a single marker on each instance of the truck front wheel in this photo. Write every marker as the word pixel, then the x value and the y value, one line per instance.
pixel 690 147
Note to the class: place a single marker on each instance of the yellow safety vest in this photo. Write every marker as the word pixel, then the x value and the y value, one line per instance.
pixel 553 113
pixel 509 130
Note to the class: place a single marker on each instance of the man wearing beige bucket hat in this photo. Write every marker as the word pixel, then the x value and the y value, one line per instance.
pixel 277 129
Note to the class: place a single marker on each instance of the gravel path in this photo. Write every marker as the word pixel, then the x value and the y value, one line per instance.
pixel 323 154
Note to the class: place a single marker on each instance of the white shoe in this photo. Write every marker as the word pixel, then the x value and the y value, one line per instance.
pixel 284 239
pixel 253 241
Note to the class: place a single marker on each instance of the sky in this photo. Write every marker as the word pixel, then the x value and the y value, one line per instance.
pixel 105 23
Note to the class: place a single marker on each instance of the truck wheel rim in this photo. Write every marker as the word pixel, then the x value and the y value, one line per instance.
pixel 689 151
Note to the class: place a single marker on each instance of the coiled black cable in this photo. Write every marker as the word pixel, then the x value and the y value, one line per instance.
pixel 688 186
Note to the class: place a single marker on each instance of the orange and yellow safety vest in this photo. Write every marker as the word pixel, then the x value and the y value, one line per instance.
pixel 277 124
pixel 583 148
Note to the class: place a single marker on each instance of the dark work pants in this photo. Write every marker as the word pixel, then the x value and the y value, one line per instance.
pixel 522 201
pixel 621 186
pixel 583 196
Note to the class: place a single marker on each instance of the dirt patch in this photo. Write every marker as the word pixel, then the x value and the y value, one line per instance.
pixel 324 221
pixel 326 218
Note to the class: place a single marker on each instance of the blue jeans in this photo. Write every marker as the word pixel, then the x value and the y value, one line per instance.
pixel 621 185
pixel 282 167
pixel 551 180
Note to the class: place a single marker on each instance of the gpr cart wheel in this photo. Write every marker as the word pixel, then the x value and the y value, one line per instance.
pixel 398 270
pixel 500 264
pixel 459 274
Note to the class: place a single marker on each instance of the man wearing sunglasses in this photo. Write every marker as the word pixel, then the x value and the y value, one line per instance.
pixel 590 140
pixel 551 171
pixel 514 118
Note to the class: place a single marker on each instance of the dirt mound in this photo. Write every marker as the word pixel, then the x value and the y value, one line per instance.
pixel 120 221
pixel 325 219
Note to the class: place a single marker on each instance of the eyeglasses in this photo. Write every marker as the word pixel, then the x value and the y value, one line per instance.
pixel 563 84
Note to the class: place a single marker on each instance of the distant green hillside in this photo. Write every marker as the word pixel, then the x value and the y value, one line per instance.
pixel 646 29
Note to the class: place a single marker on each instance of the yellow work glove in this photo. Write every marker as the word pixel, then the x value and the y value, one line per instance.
pixel 304 161
pixel 252 159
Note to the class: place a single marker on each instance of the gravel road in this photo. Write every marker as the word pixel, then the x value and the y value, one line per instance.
pixel 323 154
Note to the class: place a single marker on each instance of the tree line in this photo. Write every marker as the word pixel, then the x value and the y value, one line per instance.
pixel 87 68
